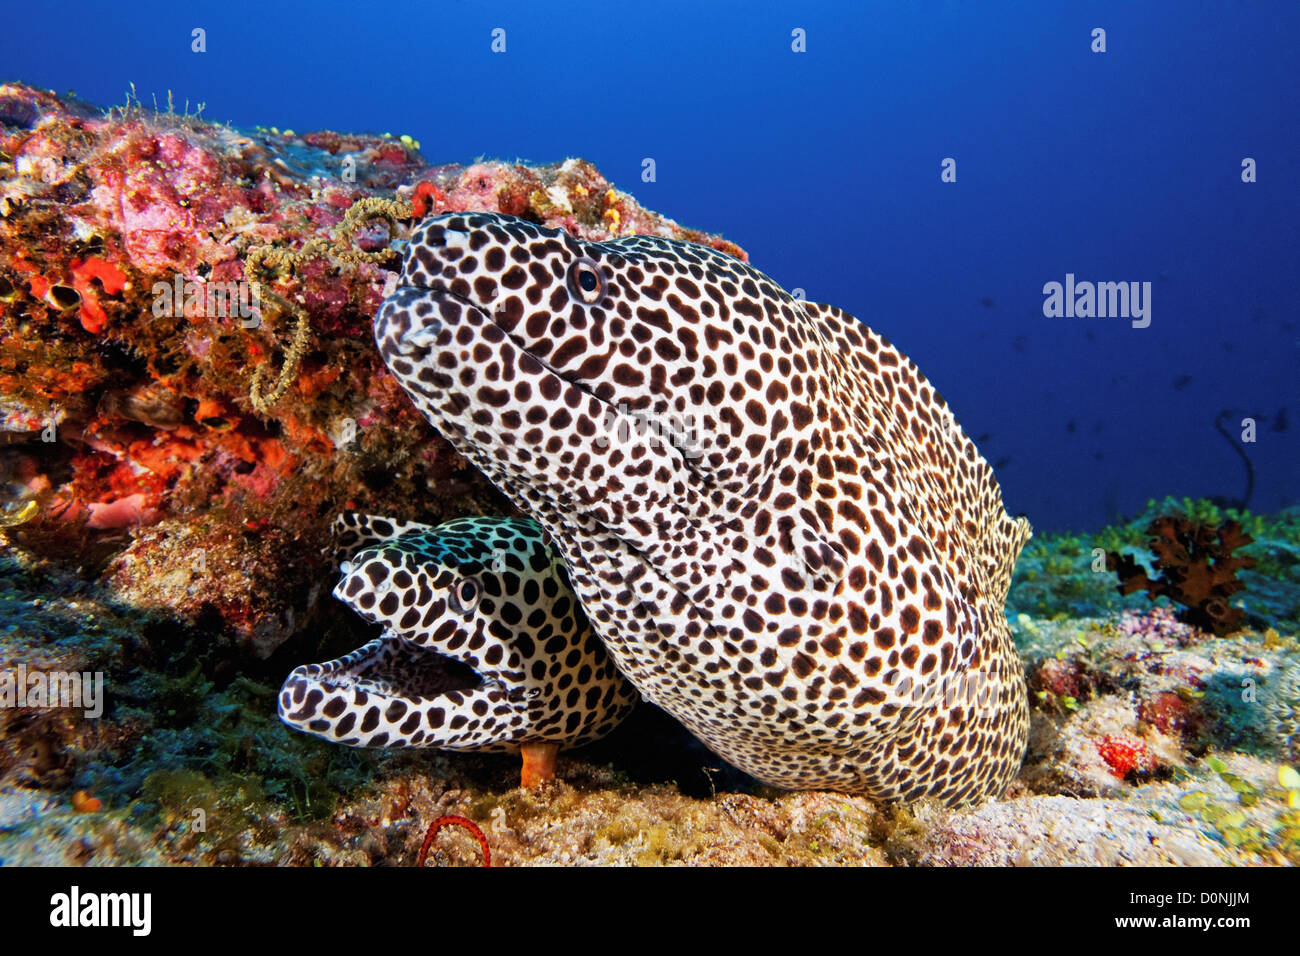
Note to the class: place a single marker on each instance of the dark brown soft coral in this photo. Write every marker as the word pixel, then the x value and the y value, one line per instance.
pixel 1198 570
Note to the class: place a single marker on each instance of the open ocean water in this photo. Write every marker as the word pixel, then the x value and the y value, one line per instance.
pixel 927 166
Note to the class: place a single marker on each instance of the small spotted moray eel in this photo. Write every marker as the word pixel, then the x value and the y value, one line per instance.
pixel 772 519
pixel 484 646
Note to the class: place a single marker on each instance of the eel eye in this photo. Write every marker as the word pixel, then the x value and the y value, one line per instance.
pixel 464 596
pixel 586 281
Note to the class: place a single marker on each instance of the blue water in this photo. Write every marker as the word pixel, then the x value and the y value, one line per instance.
pixel 825 166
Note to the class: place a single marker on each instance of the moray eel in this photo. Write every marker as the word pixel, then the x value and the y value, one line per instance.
pixel 484 646
pixel 773 520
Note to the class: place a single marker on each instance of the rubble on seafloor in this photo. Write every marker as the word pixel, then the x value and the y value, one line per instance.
pixel 163 529
pixel 1151 744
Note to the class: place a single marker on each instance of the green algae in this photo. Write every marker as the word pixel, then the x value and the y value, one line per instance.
pixel 230 736
pixel 1265 818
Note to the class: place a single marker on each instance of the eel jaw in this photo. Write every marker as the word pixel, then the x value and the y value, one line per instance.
pixel 389 693
pixel 393 667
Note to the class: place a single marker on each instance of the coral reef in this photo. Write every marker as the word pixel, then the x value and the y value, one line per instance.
pixel 1153 743
pixel 1066 574
pixel 189 390
pixel 163 528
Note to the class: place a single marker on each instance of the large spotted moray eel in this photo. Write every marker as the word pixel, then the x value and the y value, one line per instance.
pixel 484 646
pixel 772 519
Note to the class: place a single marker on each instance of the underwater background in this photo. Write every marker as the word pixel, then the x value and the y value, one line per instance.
pixel 929 167
pixel 825 166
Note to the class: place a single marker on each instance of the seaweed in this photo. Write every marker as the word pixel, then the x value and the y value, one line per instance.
pixel 1198 570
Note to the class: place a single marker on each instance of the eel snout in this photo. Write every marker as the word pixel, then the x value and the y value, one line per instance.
pixel 411 319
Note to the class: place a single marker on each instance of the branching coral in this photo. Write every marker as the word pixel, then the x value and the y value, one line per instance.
pixel 1199 570
pixel 262 400
pixel 265 258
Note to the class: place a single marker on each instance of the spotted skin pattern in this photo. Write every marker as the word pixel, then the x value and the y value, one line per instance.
pixel 485 647
pixel 804 561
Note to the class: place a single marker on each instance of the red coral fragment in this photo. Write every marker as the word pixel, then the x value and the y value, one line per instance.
pixel 110 276
pixel 448 821
pixel 1125 755
pixel 122 513
pixel 1063 678
pixel 391 153
pixel 38 286
pixel 92 315
pixel 82 802
pixel 110 279
pixel 1170 714
pixel 427 196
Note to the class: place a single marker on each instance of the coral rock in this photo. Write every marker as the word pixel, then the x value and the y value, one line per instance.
pixel 151 266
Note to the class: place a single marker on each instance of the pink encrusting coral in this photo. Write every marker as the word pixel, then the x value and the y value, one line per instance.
pixel 1158 624
pixel 151 266
pixel 165 196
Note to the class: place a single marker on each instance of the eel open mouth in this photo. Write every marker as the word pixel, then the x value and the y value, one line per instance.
pixel 387 669
pixel 403 668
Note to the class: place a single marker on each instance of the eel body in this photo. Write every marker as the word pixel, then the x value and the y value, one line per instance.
pixel 774 522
